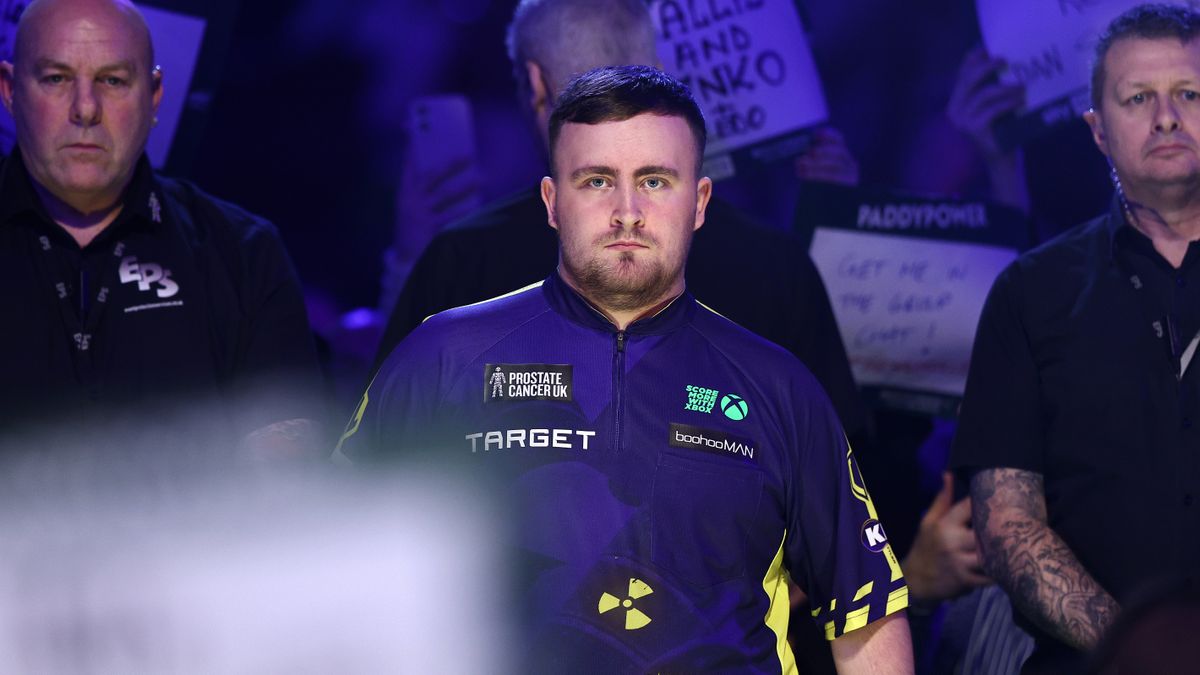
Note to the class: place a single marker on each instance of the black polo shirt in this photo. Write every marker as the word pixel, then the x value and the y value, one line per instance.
pixel 1075 375
pixel 182 299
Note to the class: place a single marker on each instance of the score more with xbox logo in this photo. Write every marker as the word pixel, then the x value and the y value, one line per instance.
pixel 703 399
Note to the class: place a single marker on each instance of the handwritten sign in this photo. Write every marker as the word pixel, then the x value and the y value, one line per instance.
pixel 907 278
pixel 749 65
pixel 907 308
pixel 177 38
pixel 1049 47
pixel 10 12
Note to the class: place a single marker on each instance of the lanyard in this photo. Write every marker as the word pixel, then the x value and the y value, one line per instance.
pixel 1166 327
pixel 91 299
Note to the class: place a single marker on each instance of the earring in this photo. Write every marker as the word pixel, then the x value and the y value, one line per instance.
pixel 1120 191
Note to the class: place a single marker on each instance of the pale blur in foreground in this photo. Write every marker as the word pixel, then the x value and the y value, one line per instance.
pixel 160 567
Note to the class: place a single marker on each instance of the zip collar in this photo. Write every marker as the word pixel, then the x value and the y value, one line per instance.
pixel 567 302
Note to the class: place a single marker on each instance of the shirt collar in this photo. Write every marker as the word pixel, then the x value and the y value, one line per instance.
pixel 142 199
pixel 1124 237
pixel 143 196
pixel 1121 233
pixel 16 189
pixel 569 303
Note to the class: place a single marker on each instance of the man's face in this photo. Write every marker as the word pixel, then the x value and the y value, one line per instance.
pixel 83 95
pixel 625 202
pixel 1149 120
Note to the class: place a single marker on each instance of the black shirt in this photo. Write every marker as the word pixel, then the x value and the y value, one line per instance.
pixel 760 278
pixel 182 295
pixel 1074 376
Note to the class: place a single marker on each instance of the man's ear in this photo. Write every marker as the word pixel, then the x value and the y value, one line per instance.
pixel 539 99
pixel 703 194
pixel 156 85
pixel 548 188
pixel 7 84
pixel 1096 124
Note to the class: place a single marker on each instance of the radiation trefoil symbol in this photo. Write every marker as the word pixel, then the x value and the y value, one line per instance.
pixel 634 618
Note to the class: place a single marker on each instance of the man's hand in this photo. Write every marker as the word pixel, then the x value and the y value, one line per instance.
pixel 827 160
pixel 298 439
pixel 1042 576
pixel 944 560
pixel 977 101
pixel 425 203
pixel 882 647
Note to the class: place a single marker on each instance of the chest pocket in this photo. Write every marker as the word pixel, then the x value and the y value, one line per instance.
pixel 702 512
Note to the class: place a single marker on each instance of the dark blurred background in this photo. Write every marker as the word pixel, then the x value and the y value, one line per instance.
pixel 307 126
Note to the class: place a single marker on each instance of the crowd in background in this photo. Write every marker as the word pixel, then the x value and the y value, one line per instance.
pixel 314 104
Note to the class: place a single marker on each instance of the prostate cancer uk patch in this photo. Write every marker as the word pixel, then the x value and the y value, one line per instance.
pixel 527 382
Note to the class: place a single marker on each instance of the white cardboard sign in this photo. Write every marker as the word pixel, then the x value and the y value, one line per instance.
pixel 748 64
pixel 907 307
pixel 1049 48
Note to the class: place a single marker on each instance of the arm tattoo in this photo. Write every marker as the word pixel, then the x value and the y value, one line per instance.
pixel 1042 576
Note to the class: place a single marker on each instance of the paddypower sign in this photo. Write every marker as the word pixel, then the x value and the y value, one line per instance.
pixel 907 277
pixel 749 65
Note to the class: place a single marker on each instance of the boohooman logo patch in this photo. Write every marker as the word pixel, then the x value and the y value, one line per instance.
pixel 710 440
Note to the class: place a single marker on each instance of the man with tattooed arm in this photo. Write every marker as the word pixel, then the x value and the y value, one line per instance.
pixel 1079 424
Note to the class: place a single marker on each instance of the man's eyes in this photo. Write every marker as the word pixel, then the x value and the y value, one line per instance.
pixel 650 183
pixel 106 80
pixel 1184 94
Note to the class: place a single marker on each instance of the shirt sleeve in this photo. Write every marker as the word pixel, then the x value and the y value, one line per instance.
pixel 397 415
pixel 837 548
pixel 999 423
pixel 274 363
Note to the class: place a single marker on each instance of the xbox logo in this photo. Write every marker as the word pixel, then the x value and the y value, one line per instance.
pixel 734 407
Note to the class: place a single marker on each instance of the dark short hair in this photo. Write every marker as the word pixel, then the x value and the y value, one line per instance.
pixel 618 93
pixel 1151 22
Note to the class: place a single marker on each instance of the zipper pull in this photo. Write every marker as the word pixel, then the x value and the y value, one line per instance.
pixel 620 341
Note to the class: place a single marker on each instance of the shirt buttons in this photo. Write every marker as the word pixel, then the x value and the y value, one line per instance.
pixel 1180 282
pixel 1187 423
pixel 1187 500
